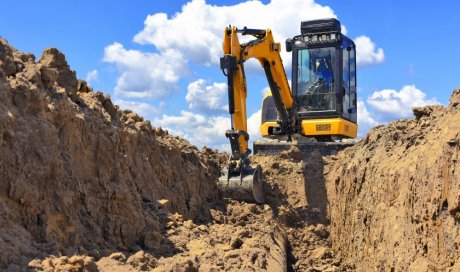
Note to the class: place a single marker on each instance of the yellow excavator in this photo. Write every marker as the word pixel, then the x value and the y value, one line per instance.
pixel 317 114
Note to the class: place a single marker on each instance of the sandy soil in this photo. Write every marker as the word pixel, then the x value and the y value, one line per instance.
pixel 395 196
pixel 85 186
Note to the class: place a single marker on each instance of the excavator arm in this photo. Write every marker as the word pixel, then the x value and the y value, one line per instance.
pixel 267 52
pixel 239 177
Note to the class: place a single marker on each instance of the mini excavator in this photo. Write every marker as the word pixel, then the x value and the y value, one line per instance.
pixel 318 113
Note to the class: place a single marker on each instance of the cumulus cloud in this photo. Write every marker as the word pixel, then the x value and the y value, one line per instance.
pixel 187 37
pixel 391 104
pixel 388 105
pixel 91 76
pixel 254 127
pixel 367 53
pixel 365 119
pixel 144 109
pixel 199 129
pixel 207 98
pixel 187 32
pixel 204 130
pixel 144 74
pixel 190 32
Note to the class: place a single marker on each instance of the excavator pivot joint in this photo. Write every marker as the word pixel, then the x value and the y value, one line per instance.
pixel 233 136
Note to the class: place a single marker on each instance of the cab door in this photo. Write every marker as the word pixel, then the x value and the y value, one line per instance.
pixel 349 80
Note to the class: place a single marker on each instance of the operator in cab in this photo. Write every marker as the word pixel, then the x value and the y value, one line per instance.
pixel 316 80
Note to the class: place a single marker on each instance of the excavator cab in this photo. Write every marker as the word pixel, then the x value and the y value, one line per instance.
pixel 323 84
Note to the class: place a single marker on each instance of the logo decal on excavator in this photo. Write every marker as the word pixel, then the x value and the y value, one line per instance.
pixel 323 127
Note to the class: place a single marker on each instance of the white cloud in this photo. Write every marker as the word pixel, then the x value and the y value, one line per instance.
pixel 193 36
pixel 144 109
pixel 254 127
pixel 207 98
pixel 91 76
pixel 146 75
pixel 367 52
pixel 186 120
pixel 343 29
pixel 188 37
pixel 387 105
pixel 206 130
pixel 365 120
pixel 197 128
pixel 191 32
pixel 391 104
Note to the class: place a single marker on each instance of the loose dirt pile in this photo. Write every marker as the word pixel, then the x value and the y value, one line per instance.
pixel 80 176
pixel 85 186
pixel 287 235
pixel 395 196
pixel 238 237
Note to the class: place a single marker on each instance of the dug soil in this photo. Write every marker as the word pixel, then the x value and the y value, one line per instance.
pixel 86 186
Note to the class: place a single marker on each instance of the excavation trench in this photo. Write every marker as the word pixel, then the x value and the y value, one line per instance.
pixel 87 186
pixel 296 192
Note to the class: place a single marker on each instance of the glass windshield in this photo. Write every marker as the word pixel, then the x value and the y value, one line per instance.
pixel 315 79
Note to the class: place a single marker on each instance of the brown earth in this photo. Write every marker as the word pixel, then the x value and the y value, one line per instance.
pixel 395 196
pixel 288 234
pixel 231 238
pixel 85 186
pixel 77 174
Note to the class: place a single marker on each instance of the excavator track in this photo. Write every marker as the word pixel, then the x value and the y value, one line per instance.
pixel 274 147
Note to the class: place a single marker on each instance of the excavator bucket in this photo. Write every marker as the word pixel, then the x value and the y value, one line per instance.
pixel 244 185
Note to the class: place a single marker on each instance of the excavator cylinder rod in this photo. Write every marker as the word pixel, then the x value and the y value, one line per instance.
pixel 250 31
pixel 245 186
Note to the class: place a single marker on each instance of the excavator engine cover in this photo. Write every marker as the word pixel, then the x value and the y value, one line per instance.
pixel 244 185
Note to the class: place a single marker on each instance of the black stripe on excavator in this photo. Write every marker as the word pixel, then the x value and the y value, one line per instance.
pixel 282 111
pixel 249 31
pixel 229 64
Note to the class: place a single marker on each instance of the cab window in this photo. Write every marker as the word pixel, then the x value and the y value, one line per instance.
pixel 315 79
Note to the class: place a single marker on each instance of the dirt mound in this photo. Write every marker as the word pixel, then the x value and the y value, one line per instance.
pixel 77 174
pixel 395 196
pixel 234 236
pixel 288 235
pixel 85 186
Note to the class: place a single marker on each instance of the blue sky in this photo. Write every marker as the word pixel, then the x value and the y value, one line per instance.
pixel 165 66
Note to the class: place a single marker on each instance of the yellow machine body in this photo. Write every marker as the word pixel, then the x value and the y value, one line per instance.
pixel 338 127
pixel 322 103
pixel 333 126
